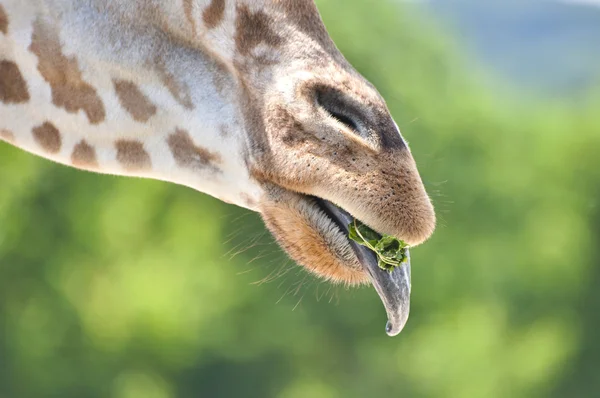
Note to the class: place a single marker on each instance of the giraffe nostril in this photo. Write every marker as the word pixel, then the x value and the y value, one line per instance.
pixel 343 119
pixel 342 109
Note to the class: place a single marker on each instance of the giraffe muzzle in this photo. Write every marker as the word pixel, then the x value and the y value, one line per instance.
pixel 392 287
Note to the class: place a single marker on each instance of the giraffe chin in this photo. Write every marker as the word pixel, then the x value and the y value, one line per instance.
pixel 314 233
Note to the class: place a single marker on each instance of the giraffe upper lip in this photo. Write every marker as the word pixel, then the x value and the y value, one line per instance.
pixel 392 287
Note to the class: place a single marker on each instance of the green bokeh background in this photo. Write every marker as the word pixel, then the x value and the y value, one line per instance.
pixel 127 288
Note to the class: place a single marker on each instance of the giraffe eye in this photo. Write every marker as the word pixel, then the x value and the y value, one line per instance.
pixel 339 108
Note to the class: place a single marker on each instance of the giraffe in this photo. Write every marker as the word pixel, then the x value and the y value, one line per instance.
pixel 249 101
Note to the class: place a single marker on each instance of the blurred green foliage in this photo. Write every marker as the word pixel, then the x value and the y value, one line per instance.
pixel 126 288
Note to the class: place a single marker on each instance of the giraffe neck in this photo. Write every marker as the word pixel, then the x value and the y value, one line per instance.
pixel 137 88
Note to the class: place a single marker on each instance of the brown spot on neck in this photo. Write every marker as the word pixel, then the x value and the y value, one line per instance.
pixel 13 88
pixel 48 137
pixel 134 101
pixel 7 136
pixel 213 14
pixel 3 20
pixel 69 90
pixel 188 8
pixel 132 155
pixel 84 156
pixel 188 155
pixel 252 29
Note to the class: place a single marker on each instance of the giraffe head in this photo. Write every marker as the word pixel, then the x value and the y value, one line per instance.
pixel 319 135
pixel 312 143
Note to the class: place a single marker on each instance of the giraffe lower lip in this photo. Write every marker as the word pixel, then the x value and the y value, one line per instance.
pixel 392 287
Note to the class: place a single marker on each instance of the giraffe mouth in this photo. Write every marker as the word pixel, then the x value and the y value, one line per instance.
pixel 392 287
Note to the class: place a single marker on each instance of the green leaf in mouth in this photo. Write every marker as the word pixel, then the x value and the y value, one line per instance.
pixel 390 251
